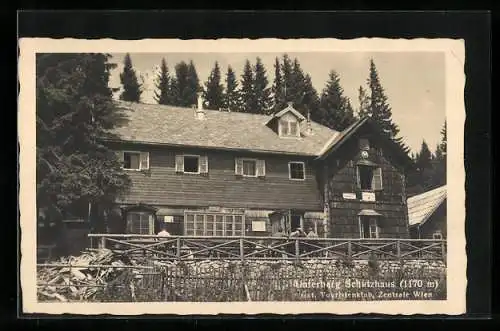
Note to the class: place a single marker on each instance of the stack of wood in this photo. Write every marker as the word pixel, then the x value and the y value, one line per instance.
pixel 90 274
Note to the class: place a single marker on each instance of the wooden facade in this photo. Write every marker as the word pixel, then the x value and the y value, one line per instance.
pixel 346 200
pixel 349 184
pixel 173 193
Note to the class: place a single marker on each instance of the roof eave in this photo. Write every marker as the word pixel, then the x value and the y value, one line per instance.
pixel 257 151
pixel 406 160
pixel 331 149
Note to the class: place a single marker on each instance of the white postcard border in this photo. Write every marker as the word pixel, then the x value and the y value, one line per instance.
pixel 454 51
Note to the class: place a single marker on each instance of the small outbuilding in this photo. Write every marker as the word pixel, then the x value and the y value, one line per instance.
pixel 427 214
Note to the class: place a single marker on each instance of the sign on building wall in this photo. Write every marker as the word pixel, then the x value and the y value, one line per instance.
pixel 349 196
pixel 367 196
pixel 258 225
pixel 168 219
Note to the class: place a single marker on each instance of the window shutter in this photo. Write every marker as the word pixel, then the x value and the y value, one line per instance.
pixel 358 179
pixel 203 164
pixel 238 169
pixel 377 179
pixel 261 168
pixel 179 163
pixel 144 160
pixel 151 224
pixel 121 158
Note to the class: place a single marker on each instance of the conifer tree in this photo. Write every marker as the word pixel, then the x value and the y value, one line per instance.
pixel 379 108
pixel 214 90
pixel 247 90
pixel 296 84
pixel 162 93
pixel 186 85
pixel 334 108
pixel 262 101
pixel 364 102
pixel 287 70
pixel 132 89
pixel 278 87
pixel 423 178
pixel 173 92
pixel 295 87
pixel 180 83
pixel 310 101
pixel 424 157
pixel 231 96
pixel 440 160
pixel 193 84
pixel 74 111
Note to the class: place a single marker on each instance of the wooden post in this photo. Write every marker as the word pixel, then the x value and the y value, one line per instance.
pixel 398 249
pixel 178 253
pixel 443 250
pixel 297 250
pixel 349 249
pixel 242 250
pixel 103 242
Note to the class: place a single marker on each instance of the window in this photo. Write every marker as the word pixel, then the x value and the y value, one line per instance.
pixel 437 235
pixel 191 164
pixel 293 128
pixel 368 227
pixel 296 170
pixel 140 223
pixel 284 128
pixel 135 160
pixel 369 178
pixel 365 177
pixel 209 224
pixel 289 127
pixel 250 167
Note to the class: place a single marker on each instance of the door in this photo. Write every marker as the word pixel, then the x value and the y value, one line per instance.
pixel 295 222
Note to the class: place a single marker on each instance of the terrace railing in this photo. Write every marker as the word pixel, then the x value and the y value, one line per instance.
pixel 268 248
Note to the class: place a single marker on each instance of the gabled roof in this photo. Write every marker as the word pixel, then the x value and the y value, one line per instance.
pixel 290 109
pixel 339 139
pixel 177 126
pixel 336 141
pixel 422 206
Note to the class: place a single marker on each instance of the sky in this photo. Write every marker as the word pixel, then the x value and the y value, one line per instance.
pixel 414 82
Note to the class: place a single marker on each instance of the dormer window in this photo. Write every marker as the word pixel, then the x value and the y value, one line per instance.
pixel 289 128
pixel 286 123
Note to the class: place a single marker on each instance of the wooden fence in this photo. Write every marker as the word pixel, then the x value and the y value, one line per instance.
pixel 269 248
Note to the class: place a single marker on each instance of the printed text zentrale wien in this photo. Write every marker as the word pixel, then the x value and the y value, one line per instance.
pixel 410 289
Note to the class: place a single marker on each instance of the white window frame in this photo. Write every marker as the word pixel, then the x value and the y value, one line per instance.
pixel 243 167
pixel 225 232
pixel 370 224
pixel 288 126
pixel 184 164
pixel 142 213
pixel 132 152
pixel 290 170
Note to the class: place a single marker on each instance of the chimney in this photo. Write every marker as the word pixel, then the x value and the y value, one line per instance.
pixel 309 130
pixel 200 112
